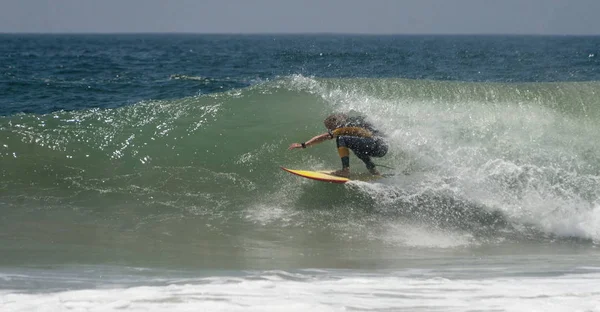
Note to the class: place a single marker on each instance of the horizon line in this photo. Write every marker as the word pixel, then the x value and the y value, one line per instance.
pixel 294 33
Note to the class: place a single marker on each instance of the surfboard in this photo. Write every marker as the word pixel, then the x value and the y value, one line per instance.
pixel 324 176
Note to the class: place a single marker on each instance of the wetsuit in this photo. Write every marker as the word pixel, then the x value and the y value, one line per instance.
pixel 362 138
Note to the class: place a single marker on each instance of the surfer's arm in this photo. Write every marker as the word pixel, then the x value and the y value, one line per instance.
pixel 316 140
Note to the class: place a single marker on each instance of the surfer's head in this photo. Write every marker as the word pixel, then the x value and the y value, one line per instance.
pixel 335 121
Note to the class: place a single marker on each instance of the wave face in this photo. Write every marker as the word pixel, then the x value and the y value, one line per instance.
pixel 487 162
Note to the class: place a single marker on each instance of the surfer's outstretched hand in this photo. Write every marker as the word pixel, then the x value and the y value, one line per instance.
pixel 295 145
pixel 316 140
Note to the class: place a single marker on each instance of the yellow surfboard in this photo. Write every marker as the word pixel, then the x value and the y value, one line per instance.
pixel 326 177
pixel 317 175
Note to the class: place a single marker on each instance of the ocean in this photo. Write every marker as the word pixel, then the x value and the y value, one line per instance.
pixel 141 172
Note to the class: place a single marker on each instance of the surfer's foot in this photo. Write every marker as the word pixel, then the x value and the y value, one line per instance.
pixel 374 171
pixel 342 173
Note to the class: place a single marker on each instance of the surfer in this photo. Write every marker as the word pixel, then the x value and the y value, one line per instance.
pixel 351 133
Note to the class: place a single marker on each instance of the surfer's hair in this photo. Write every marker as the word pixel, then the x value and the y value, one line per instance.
pixel 335 121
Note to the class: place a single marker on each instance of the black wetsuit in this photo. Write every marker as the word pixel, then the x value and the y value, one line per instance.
pixel 362 138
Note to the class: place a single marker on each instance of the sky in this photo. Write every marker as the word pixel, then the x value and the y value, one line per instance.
pixel 544 17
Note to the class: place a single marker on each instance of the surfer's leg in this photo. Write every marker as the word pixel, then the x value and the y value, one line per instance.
pixel 362 148
pixel 376 149
pixel 368 162
pixel 344 153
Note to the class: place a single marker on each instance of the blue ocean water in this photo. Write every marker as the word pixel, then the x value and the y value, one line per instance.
pixel 45 73
pixel 142 172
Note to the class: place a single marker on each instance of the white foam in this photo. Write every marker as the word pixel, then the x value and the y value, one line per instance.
pixel 414 235
pixel 493 146
pixel 267 214
pixel 273 291
pixel 507 152
pixel 584 224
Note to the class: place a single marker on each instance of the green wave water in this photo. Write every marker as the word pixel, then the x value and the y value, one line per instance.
pixel 482 160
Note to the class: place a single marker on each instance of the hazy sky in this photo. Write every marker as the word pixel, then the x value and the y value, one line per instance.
pixel 303 16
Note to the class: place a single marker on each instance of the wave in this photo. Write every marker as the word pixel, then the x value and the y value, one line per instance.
pixel 481 158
